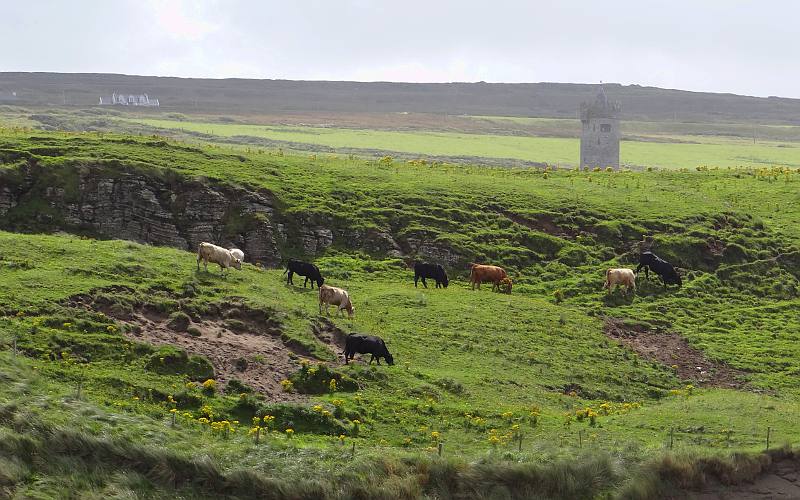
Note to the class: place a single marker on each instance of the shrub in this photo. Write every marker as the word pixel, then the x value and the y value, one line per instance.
pixel 315 379
pixel 169 360
pixel 209 387
pixel 194 331
pixel 235 325
pixel 241 364
pixel 179 321
pixel 236 386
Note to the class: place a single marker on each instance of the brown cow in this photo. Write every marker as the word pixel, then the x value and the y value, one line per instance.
pixel 479 273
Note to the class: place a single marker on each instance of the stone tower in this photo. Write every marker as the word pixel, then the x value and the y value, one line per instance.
pixel 600 134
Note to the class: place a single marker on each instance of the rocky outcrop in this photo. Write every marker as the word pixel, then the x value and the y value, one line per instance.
pixel 129 204
pixel 164 208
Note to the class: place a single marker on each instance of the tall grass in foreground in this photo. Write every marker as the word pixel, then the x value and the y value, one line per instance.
pixel 75 461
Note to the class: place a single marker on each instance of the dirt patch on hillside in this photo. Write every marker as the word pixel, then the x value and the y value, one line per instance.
pixel 780 480
pixel 672 350
pixel 240 342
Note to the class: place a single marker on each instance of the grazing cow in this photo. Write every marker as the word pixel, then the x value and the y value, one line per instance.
pixel 366 344
pixel 208 252
pixel 310 271
pixel 479 273
pixel 237 253
pixel 617 277
pixel 651 262
pixel 332 296
pixel 435 271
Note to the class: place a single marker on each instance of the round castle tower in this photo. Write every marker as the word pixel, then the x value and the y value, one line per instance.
pixel 600 134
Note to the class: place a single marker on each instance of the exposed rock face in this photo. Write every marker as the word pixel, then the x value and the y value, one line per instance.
pixel 430 251
pixel 132 205
pixel 167 209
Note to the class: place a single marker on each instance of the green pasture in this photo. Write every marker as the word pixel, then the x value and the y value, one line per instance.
pixel 721 152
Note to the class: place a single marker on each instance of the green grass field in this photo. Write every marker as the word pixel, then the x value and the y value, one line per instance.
pixel 720 152
pixel 474 369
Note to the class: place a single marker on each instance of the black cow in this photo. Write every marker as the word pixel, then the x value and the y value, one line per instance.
pixel 668 274
pixel 310 271
pixel 436 271
pixel 366 344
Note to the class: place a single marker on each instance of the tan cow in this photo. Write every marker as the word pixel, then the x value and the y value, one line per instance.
pixel 617 277
pixel 208 252
pixel 479 273
pixel 332 296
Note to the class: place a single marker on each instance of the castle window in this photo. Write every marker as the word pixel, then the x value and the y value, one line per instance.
pixel 605 127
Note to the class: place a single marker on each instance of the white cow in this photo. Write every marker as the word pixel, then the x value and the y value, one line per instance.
pixel 332 296
pixel 208 252
pixel 616 277
pixel 237 253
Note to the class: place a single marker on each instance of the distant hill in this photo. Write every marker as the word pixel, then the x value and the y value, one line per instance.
pixel 242 96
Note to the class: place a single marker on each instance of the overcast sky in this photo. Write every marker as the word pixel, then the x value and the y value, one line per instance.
pixel 745 47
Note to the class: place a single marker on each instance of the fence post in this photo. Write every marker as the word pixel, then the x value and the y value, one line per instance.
pixel 769 430
pixel 440 449
pixel 520 443
pixel 580 438
pixel 671 436
pixel 79 390
pixel 353 450
pixel 15 346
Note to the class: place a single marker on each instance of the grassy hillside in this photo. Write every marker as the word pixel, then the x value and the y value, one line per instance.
pixel 559 362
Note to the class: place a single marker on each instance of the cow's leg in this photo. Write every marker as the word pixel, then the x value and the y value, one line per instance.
pixel 320 307
pixel 305 282
pixel 424 283
pixel 378 360
pixel 416 279
pixel 371 358
pixel 345 358
pixel 289 280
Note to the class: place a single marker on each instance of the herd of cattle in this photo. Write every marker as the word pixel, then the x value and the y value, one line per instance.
pixel 370 344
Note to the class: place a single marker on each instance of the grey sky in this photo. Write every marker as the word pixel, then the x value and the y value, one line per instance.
pixel 745 47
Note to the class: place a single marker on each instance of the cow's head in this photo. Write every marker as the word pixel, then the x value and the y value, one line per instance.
pixel 237 263
pixel 320 281
pixel 389 359
pixel 350 310
pixel 445 281
pixel 673 278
